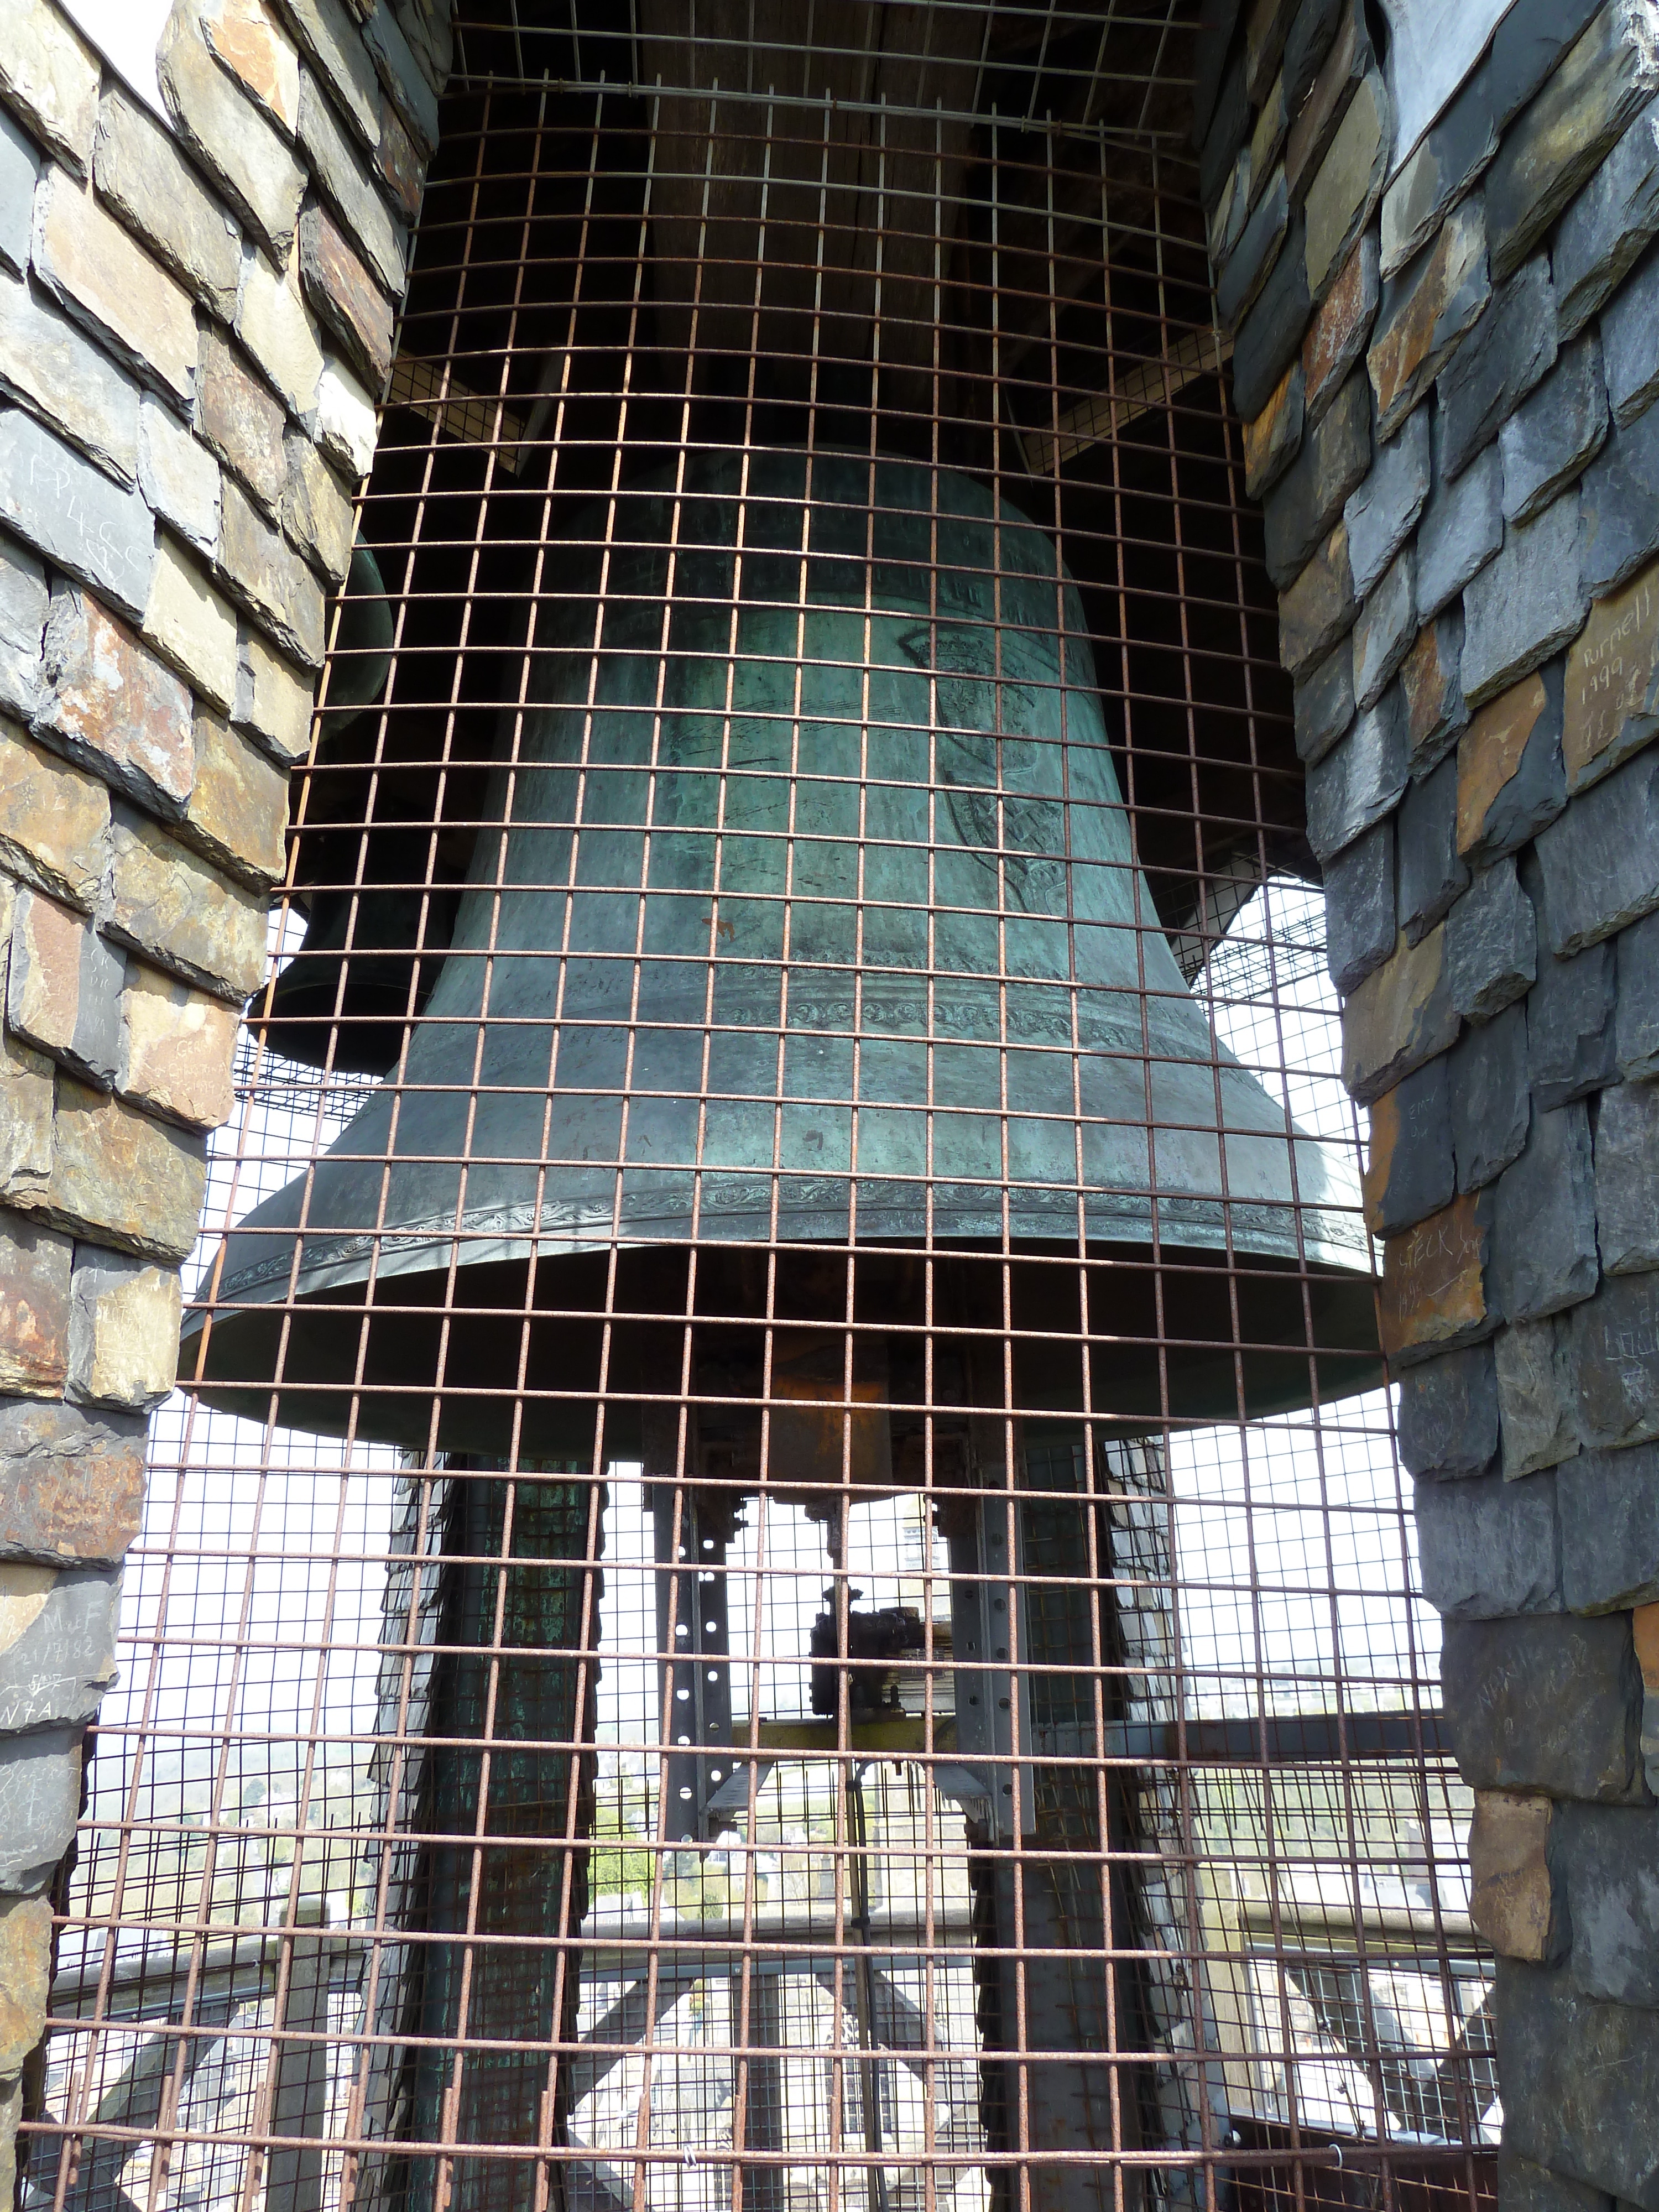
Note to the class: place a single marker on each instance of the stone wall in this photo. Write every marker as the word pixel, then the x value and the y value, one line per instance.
pixel 196 310
pixel 1449 377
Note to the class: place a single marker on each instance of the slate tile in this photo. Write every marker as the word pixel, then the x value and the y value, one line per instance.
pixel 50 363
pixel 1211 50
pixel 1323 702
pixel 107 701
pixel 1227 218
pixel 1398 1018
pixel 76 1492
pixel 1266 29
pixel 1491 943
pixel 248 158
pixel 1359 779
pixel 1431 873
pixel 1604 231
pixel 1636 1024
pixel 1384 630
pixel 1596 858
pixel 345 297
pixel 1447 160
pixel 1614 1349
pixel 1348 182
pixel 1619 498
pixel 1246 267
pixel 1629 344
pixel 1448 1416
pixel 1433 1292
pixel 1360 927
pixel 1274 439
pixel 19 170
pixel 1336 336
pixel 1462 528
pixel 1511 780
pixel 104 278
pixel 1507 352
pixel 344 54
pixel 1427 309
pixel 1627 1178
pixel 338 173
pixel 1550 1705
pixel 1526 603
pixel 1553 434
pixel 1530 40
pixel 1525 2186
pixel 1537 1399
pixel 1574 2072
pixel 1610 1521
pixel 1606 1858
pixel 40 1777
pixel 1230 126
pixel 1314 124
pixel 49 79
pixel 24 600
pixel 1410 1174
pixel 399 71
pixel 1491 1108
pixel 1382 512
pixel 1489 1549
pixel 1544 1252
pixel 1270 336
pixel 1313 28
pixel 1299 510
pixel 1576 116
pixel 1430 680
pixel 1571 1040
pixel 34 1321
pixel 120 1178
pixel 1516 1901
pixel 1267 139
pixel 1319 607
pixel 72 512
pixel 1611 706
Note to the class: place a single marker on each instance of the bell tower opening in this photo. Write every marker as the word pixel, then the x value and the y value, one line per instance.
pixel 825 1621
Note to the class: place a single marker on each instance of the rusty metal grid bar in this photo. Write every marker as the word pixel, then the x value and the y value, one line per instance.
pixel 487 1816
pixel 1104 71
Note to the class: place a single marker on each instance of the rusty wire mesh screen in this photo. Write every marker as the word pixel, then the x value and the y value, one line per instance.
pixel 781 1580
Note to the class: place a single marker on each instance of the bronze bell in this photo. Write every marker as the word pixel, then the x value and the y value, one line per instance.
pixel 805 916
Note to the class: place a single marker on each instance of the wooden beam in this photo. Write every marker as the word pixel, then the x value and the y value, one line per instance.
pixel 1103 414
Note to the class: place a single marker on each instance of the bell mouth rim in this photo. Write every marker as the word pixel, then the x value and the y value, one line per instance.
pixel 433 1348
pixel 1332 1245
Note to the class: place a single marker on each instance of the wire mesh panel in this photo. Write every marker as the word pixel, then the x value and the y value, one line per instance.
pixel 779 1578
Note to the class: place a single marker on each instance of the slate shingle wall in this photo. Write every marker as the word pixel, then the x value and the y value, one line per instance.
pixel 1470 605
pixel 196 317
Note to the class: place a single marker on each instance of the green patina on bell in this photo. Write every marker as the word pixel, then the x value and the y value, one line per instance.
pixel 805 910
